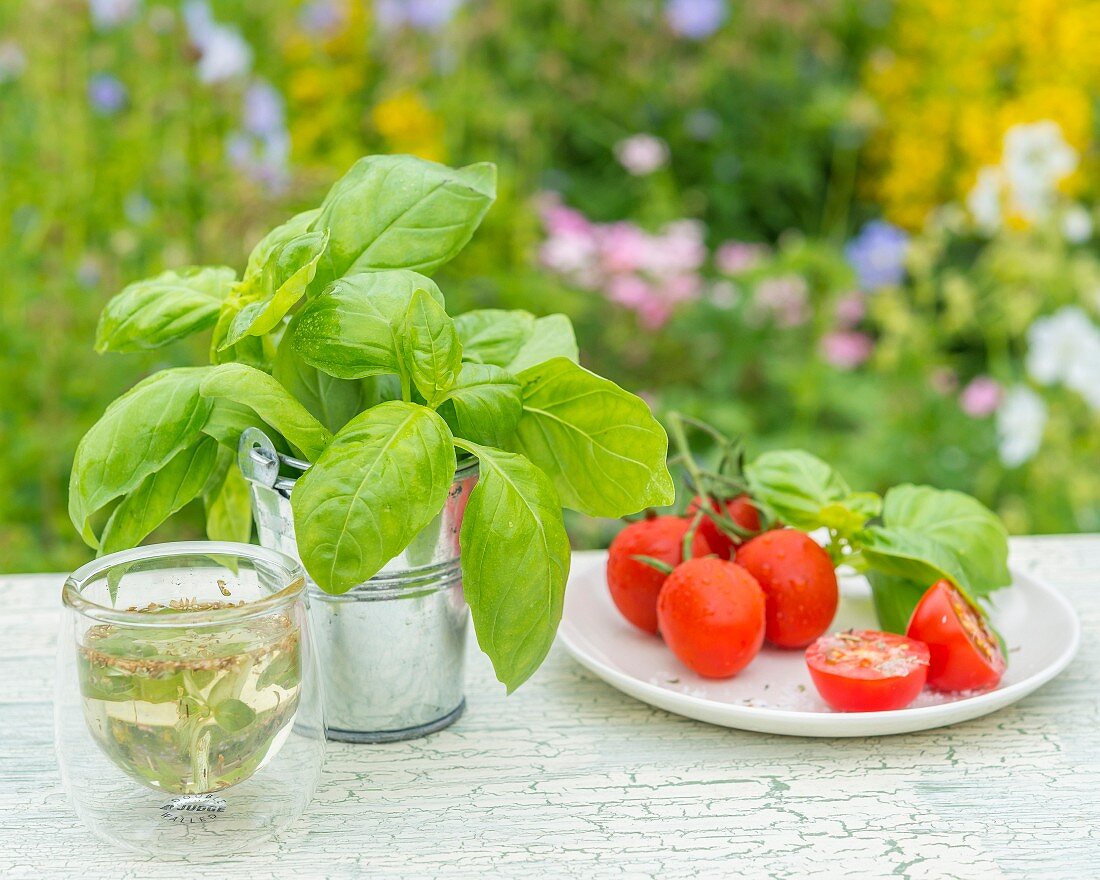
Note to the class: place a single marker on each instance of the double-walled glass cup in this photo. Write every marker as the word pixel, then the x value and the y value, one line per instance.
pixel 188 708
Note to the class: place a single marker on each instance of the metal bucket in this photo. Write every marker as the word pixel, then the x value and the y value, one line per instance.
pixel 391 650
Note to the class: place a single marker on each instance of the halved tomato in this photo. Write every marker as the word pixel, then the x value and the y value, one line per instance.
pixel 864 670
pixel 965 655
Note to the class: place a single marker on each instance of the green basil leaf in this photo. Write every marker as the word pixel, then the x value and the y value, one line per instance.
pixel 515 562
pixel 246 386
pixel 356 327
pixel 234 715
pixel 960 522
pixel 485 405
pixel 160 495
pixel 551 337
pixel 386 474
pixel 600 445
pixel 400 212
pixel 157 311
pixel 250 350
pixel 912 555
pixel 330 400
pixel 290 268
pixel 137 435
pixel 494 336
pixel 805 492
pixel 228 505
pixel 434 352
pixel 894 598
pixel 276 238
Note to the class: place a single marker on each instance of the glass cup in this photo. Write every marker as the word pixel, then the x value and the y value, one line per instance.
pixel 188 709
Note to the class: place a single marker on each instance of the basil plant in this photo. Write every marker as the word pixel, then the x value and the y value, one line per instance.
pixel 337 343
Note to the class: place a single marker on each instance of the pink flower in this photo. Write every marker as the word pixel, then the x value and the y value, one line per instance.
pixel 784 299
pixel 560 219
pixel 850 309
pixel 981 397
pixel 642 154
pixel 846 349
pixel 623 247
pixel 681 247
pixel 735 257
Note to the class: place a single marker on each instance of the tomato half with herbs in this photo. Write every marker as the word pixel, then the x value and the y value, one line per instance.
pixel 965 653
pixel 635 584
pixel 740 509
pixel 864 670
pixel 711 614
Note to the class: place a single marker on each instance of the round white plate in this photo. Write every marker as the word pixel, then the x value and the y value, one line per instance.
pixel 774 694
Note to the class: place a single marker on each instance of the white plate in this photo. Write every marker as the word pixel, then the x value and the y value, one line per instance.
pixel 774 694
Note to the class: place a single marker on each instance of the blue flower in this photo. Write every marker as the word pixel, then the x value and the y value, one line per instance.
pixel 106 94
pixel 264 109
pixel 878 255
pixel 422 15
pixel 695 19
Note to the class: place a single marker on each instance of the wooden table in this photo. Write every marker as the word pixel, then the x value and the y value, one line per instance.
pixel 570 778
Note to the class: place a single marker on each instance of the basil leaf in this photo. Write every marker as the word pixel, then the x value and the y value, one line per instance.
pixel 894 598
pixel 248 350
pixel 494 336
pixel 551 337
pixel 485 405
pixel 434 352
pixel 228 505
pixel 515 562
pixel 246 386
pixel 959 522
pixel 805 492
pixel 137 435
pixel 276 238
pixel 157 311
pixel 160 495
pixel 401 212
pixel 356 327
pixel 234 715
pixel 286 275
pixel 330 400
pixel 912 555
pixel 600 445
pixel 386 474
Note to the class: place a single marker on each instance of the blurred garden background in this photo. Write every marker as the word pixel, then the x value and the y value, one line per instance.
pixel 866 228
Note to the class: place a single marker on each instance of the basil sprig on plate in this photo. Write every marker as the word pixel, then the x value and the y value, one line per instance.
pixel 903 541
pixel 337 344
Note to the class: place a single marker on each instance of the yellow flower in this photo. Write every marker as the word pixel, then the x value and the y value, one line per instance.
pixel 408 125
pixel 955 76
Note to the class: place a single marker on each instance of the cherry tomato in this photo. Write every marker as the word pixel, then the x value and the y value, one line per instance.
pixel 711 614
pixel 867 671
pixel 799 583
pixel 739 509
pixel 965 654
pixel 634 584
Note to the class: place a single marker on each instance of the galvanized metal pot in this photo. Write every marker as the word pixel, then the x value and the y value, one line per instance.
pixel 392 650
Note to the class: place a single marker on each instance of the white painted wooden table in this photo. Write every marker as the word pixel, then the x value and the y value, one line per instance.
pixel 569 778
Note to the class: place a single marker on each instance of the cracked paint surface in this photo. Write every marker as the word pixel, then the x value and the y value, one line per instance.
pixel 570 778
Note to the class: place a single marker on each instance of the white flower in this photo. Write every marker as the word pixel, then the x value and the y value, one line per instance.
pixel 1036 159
pixel 1021 418
pixel 984 199
pixel 642 154
pixel 1077 224
pixel 1065 347
pixel 108 13
pixel 12 61
pixel 223 52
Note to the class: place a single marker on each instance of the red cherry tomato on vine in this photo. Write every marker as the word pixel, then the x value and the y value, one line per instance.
pixel 799 582
pixel 964 652
pixel 711 614
pixel 866 670
pixel 634 584
pixel 739 509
